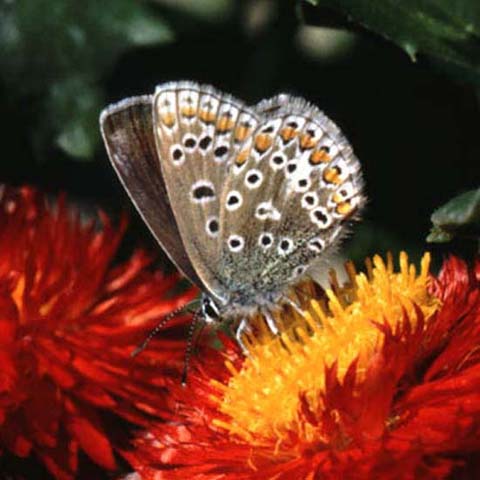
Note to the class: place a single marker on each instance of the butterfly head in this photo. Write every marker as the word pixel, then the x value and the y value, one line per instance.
pixel 210 310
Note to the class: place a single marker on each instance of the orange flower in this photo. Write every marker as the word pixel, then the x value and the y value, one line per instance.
pixel 68 322
pixel 379 378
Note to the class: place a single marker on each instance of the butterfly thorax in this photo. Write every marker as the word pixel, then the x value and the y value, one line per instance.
pixel 249 298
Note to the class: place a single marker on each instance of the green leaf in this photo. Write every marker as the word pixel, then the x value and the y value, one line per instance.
pixel 56 52
pixel 458 217
pixel 446 30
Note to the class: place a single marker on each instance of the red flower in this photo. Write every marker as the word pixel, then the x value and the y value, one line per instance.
pixel 68 322
pixel 407 406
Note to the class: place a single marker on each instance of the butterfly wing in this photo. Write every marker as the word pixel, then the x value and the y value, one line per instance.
pixel 197 130
pixel 127 129
pixel 300 184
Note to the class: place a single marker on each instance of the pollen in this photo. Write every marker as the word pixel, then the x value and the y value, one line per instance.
pixel 261 402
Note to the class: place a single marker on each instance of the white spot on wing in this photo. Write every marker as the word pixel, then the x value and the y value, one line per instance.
pixel 265 210
pixel 253 178
pixel 320 217
pixel 235 243
pixel 285 246
pixel 177 155
pixel 234 200
pixel 265 240
pixel 277 161
pixel 202 191
pixel 212 226
pixel 310 200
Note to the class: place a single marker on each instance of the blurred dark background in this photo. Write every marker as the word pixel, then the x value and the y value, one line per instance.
pixel 413 124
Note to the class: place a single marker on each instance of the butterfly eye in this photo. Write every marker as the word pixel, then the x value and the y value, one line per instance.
pixel 300 270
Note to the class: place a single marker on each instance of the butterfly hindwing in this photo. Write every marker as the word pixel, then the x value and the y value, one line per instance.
pixel 300 184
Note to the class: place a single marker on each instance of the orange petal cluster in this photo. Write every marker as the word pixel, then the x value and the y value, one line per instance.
pixel 400 398
pixel 69 319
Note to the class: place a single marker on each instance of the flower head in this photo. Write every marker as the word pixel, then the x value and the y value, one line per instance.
pixel 379 378
pixel 68 322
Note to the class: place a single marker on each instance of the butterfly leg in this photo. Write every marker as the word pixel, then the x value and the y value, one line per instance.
pixel 270 322
pixel 294 305
pixel 242 327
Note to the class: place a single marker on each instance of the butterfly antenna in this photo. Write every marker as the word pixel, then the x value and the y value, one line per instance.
pixel 191 341
pixel 157 328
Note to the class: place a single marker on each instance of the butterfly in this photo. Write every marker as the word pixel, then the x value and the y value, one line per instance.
pixel 245 200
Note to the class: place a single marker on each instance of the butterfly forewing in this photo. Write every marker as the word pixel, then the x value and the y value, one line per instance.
pixel 299 183
pixel 197 131
pixel 127 129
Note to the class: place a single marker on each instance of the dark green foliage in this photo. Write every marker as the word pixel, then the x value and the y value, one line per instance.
pixel 458 217
pixel 56 52
pixel 446 30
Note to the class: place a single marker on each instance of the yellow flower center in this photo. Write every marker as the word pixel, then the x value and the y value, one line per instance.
pixel 261 400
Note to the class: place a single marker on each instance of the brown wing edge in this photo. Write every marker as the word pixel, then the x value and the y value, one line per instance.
pixel 127 130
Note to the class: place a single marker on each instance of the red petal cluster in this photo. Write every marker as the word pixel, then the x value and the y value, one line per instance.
pixel 68 322
pixel 414 414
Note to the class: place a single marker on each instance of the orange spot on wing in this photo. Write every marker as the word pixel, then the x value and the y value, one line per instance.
pixel 332 175
pixel 319 156
pixel 207 116
pixel 242 157
pixel 337 198
pixel 168 119
pixel 344 208
pixel 225 124
pixel 242 132
pixel 263 142
pixel 307 142
pixel 288 133
pixel 189 111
